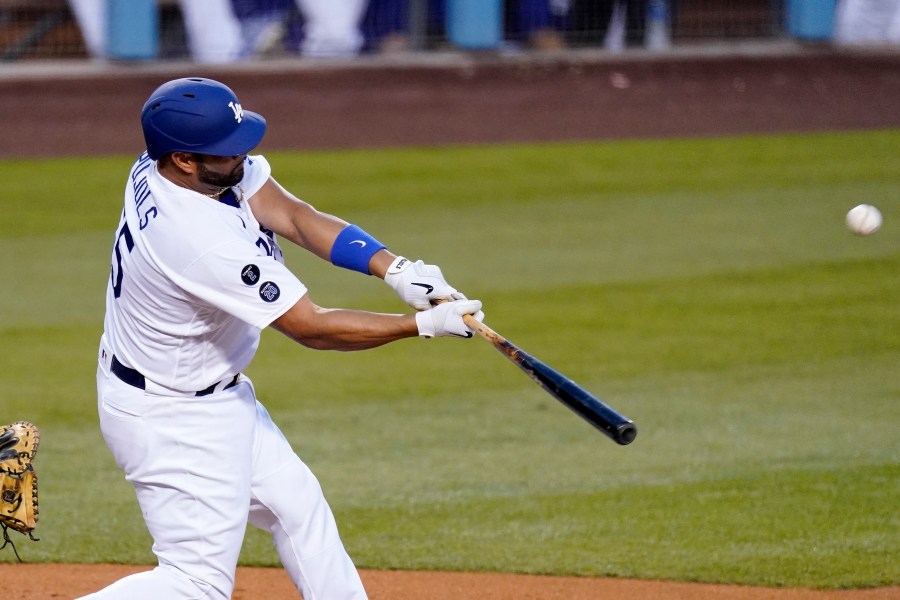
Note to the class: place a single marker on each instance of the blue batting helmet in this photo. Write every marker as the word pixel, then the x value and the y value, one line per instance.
pixel 198 115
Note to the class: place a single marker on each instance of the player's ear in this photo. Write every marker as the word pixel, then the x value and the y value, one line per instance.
pixel 185 162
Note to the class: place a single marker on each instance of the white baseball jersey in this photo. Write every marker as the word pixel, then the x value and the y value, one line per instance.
pixel 193 280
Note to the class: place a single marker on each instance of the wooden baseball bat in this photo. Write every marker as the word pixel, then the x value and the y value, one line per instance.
pixel 618 427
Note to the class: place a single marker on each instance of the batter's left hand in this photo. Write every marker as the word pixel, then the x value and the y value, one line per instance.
pixel 447 319
pixel 419 285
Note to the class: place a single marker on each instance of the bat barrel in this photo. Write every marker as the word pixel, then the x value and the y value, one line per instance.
pixel 616 426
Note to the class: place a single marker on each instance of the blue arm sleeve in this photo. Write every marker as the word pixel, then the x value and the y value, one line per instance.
pixel 353 249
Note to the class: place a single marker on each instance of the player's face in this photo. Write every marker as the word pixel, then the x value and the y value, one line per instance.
pixel 220 171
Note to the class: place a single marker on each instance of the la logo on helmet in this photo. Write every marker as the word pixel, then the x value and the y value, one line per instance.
pixel 238 111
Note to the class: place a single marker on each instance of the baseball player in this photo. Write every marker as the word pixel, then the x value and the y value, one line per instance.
pixel 196 274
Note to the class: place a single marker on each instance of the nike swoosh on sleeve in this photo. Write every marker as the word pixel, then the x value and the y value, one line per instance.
pixel 361 243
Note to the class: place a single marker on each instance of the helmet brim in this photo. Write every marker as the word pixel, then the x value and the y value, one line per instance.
pixel 242 140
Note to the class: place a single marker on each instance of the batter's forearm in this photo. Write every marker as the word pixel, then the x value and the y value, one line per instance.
pixel 317 232
pixel 298 221
pixel 293 219
pixel 345 330
pixel 380 262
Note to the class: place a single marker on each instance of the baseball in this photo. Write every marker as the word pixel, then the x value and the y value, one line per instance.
pixel 864 219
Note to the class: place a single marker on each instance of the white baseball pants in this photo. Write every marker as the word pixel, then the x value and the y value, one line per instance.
pixel 202 467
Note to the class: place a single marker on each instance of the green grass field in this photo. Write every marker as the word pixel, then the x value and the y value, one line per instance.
pixel 706 288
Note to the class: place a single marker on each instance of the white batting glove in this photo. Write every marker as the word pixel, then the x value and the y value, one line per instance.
pixel 447 319
pixel 418 284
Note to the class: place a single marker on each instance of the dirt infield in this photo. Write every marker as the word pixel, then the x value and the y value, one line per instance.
pixel 468 101
pixel 51 582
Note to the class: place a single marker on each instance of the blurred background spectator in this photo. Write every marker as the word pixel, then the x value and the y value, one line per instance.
pixel 538 24
pixel 313 28
pixel 227 30
pixel 44 29
pixel 212 29
pixel 385 26
pixel 264 24
pixel 867 22
pixel 331 28
pixel 615 23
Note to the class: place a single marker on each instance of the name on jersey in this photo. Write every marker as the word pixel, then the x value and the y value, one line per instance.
pixel 141 190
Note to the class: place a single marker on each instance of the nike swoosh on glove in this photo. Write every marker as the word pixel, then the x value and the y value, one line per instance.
pixel 447 319
pixel 418 284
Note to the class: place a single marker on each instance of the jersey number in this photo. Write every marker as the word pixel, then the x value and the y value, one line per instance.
pixel 115 269
pixel 124 234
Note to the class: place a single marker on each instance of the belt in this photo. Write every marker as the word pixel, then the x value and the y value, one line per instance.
pixel 135 379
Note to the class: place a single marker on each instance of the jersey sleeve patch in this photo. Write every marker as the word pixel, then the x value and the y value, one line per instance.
pixel 269 291
pixel 250 274
pixel 234 277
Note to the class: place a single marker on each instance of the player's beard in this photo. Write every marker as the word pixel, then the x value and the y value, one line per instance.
pixel 221 180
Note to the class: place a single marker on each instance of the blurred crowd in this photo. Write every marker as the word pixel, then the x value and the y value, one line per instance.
pixel 219 31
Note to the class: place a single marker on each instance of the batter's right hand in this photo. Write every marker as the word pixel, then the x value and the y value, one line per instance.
pixel 447 319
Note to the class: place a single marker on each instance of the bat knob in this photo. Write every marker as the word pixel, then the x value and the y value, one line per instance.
pixel 625 433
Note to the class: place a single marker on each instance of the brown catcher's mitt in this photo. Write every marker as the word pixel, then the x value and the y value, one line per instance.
pixel 18 481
